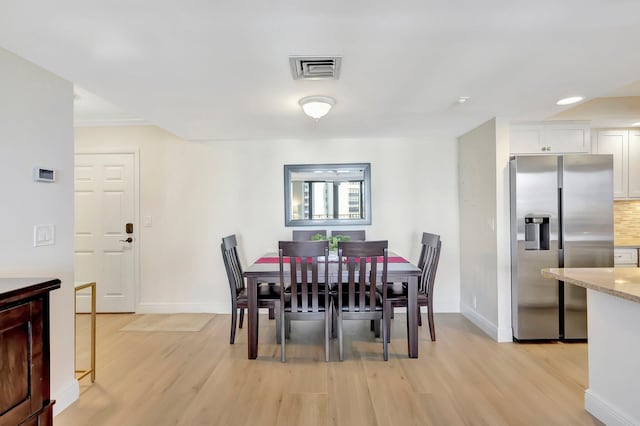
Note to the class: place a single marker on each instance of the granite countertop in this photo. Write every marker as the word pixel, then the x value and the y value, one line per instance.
pixel 619 282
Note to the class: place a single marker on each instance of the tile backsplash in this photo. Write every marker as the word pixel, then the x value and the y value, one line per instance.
pixel 626 217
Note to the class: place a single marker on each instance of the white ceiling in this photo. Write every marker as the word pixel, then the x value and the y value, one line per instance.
pixel 211 70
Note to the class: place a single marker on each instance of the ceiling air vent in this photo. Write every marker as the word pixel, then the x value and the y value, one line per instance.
pixel 315 67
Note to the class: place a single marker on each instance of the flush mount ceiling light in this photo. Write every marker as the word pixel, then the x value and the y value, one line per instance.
pixel 570 100
pixel 316 107
pixel 636 124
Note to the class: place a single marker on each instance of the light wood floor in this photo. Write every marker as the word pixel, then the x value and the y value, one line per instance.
pixel 197 378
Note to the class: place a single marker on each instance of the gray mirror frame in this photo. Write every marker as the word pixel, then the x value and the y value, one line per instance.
pixel 289 168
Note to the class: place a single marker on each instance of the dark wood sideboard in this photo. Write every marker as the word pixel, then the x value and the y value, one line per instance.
pixel 24 351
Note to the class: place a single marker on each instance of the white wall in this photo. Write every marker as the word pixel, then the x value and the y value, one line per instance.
pixel 197 193
pixel 36 129
pixel 484 228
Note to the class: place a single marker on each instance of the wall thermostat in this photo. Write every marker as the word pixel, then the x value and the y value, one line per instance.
pixel 42 174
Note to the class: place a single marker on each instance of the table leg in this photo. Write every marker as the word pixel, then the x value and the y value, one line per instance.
pixel 92 289
pixel 412 316
pixel 93 332
pixel 252 318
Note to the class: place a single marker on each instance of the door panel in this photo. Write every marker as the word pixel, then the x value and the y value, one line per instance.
pixel 104 204
pixel 588 228
pixel 634 164
pixel 22 362
pixel 615 142
pixel 534 193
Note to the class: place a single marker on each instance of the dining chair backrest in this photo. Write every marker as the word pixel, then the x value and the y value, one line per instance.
pixel 429 242
pixel 298 235
pixel 360 261
pixel 359 235
pixel 429 267
pixel 232 265
pixel 306 276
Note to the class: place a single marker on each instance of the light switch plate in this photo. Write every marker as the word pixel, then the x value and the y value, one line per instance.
pixel 147 221
pixel 44 235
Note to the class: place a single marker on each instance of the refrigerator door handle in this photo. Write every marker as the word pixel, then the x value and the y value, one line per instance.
pixel 560 221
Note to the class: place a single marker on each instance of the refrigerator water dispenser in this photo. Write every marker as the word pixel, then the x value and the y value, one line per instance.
pixel 536 232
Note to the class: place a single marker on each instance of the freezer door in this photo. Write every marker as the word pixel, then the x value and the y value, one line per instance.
pixel 534 246
pixel 587 228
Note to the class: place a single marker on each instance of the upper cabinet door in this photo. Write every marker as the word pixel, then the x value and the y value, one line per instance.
pixel 550 138
pixel 525 140
pixel 616 142
pixel 634 164
pixel 567 138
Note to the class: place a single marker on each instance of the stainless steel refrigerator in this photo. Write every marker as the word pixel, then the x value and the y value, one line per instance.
pixel 561 216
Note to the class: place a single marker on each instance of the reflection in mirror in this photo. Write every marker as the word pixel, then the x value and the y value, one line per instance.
pixel 320 194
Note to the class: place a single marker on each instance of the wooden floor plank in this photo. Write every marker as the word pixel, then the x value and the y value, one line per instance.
pixel 303 409
pixel 197 378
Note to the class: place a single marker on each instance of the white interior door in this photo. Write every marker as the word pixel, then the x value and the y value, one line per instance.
pixel 104 205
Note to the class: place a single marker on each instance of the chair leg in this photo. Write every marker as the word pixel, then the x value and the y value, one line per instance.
pixel 334 325
pixel 241 317
pixel 234 313
pixel 387 322
pixel 327 321
pixel 272 313
pixel 372 326
pixel 432 326
pixel 376 327
pixel 419 317
pixel 340 337
pixel 288 328
pixel 385 341
pixel 283 322
pixel 276 311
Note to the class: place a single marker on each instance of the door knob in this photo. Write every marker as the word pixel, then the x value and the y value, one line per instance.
pixel 128 240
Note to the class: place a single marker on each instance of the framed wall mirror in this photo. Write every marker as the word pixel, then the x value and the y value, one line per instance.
pixel 327 194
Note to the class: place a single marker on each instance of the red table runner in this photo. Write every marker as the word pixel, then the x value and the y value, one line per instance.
pixel 391 259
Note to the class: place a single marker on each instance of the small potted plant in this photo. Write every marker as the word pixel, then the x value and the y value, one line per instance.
pixel 333 242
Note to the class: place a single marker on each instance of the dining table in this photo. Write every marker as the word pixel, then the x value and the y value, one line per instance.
pixel 266 269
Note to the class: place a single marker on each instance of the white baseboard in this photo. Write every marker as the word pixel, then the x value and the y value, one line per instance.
pixel 65 397
pixel 183 308
pixel 605 412
pixel 498 334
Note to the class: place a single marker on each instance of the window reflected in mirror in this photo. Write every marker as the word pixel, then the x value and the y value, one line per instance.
pixel 320 194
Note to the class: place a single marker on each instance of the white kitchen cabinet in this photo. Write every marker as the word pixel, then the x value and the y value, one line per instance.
pixel 550 138
pixel 616 142
pixel 634 164
pixel 625 147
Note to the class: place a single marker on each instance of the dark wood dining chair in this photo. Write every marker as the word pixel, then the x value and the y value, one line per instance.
pixel 308 297
pixel 268 294
pixel 428 263
pixel 360 271
pixel 299 235
pixel 359 235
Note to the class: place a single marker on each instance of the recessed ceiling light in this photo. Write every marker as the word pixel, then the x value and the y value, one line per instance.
pixel 463 99
pixel 570 100
pixel 636 124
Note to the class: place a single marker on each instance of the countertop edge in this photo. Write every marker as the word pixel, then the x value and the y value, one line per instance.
pixel 560 276
pixel 36 286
